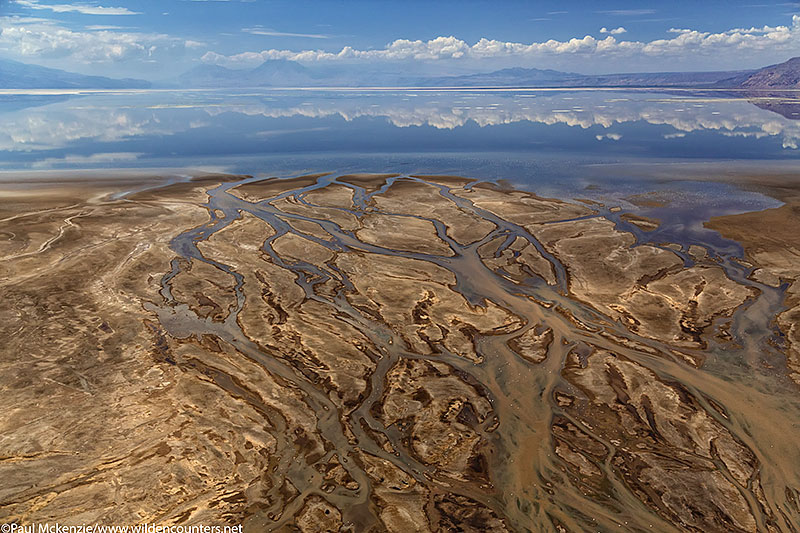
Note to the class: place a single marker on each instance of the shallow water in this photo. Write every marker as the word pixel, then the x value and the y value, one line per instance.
pixel 530 489
pixel 534 131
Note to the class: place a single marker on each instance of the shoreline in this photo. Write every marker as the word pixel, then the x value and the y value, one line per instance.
pixel 422 88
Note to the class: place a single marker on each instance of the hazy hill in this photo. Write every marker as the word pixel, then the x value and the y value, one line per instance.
pixel 15 75
pixel 280 72
pixel 658 79
pixel 532 77
pixel 284 73
pixel 208 76
pixel 270 73
pixel 784 75
pixel 506 77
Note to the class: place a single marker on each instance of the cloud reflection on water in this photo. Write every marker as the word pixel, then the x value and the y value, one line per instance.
pixel 69 131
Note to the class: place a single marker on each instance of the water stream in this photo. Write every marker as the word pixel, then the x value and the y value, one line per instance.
pixel 530 488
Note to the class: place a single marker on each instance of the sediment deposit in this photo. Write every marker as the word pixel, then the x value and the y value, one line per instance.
pixel 390 353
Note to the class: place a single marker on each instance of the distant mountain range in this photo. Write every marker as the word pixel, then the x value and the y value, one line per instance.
pixel 270 73
pixel 532 77
pixel 284 73
pixel 15 75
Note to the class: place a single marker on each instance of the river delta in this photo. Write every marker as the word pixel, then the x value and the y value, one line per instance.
pixel 395 352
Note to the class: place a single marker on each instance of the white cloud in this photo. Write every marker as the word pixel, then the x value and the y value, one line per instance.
pixel 686 41
pixel 272 33
pixel 763 29
pixel 615 31
pixel 76 8
pixel 42 39
pixel 628 12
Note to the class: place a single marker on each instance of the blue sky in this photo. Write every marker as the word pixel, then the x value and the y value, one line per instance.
pixel 160 39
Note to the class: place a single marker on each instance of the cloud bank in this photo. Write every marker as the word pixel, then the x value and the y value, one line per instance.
pixel 683 42
pixel 76 8
pixel 44 39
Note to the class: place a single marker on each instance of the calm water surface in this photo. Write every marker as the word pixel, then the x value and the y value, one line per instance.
pixel 556 142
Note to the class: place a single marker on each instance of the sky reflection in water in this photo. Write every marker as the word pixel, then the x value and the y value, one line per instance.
pixel 240 132
pixel 551 142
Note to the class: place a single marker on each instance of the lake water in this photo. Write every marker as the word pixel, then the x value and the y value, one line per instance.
pixel 486 132
pixel 595 144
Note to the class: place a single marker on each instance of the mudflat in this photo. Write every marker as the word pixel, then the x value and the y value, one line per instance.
pixel 392 353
